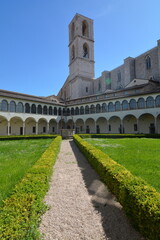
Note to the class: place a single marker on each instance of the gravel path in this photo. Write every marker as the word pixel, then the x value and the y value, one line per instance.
pixel 81 207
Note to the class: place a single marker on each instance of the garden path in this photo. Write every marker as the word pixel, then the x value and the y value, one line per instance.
pixel 81 206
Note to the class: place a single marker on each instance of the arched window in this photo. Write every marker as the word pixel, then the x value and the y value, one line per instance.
pixel 117 106
pixel 119 76
pixel 85 51
pixel 45 110
pixel 148 62
pixel 39 109
pixel 87 109
pixel 50 110
pixel 68 112
pixel 59 112
pixel 20 107
pixel 104 107
pixel 4 105
pixel 98 108
pixel 72 111
pixel 73 52
pixel 85 28
pixel 132 104
pixel 77 111
pixel 64 112
pixel 125 105
pixel 141 103
pixel 27 108
pixel 92 109
pixel 149 102
pixel 33 108
pixel 111 107
pixel 12 106
pixel 81 110
pixel 55 111
pixel 157 102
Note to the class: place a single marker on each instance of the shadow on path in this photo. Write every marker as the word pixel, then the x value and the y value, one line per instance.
pixel 115 224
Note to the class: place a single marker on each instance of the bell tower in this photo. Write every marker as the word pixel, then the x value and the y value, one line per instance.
pixel 81 47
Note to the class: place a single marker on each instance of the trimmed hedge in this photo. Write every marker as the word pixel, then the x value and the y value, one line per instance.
pixel 105 135
pixel 140 201
pixel 20 137
pixel 20 213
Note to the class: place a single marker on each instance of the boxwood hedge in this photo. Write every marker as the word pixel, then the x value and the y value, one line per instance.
pixel 20 213
pixel 140 201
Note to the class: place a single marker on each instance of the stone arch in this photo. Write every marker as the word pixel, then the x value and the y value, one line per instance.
pixel 27 108
pixel 3 126
pixel 85 50
pixel 158 124
pixel 125 105
pixel 79 126
pixel 90 125
pixel 141 103
pixel 117 106
pixel 42 126
pixel 50 110
pixel 39 109
pixel 130 124
pixel 157 101
pixel 55 111
pixel 12 106
pixel 33 108
pixel 20 107
pixel 85 30
pixel 53 126
pixel 30 126
pixel 115 125
pixel 101 125
pixel 4 105
pixel 132 104
pixel 45 110
pixel 70 124
pixel 86 109
pixel 111 107
pixel 104 107
pixel 98 108
pixel 16 126
pixel 81 110
pixel 92 108
pixel 150 102
pixel 146 123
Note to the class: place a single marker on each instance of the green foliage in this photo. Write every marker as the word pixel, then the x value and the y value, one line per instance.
pixel 20 214
pixel 16 157
pixel 141 156
pixel 140 201
pixel 20 137
pixel 119 135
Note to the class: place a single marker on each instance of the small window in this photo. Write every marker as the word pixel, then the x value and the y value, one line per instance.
pixel 135 127
pixel 148 62
pixel 34 130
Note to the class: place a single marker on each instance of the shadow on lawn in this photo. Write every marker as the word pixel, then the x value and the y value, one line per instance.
pixel 115 224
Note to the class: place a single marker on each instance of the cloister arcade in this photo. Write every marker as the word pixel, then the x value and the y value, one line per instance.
pixel 130 115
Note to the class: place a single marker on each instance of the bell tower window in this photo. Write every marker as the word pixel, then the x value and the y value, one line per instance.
pixel 85 51
pixel 84 29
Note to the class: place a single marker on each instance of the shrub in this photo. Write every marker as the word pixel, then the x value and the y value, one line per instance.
pixel 140 201
pixel 20 213
pixel 119 135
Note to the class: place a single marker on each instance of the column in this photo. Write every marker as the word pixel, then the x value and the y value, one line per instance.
pixel 24 128
pixel 36 128
pixel 47 128
pixel 8 133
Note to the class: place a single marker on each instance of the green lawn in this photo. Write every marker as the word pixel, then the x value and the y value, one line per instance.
pixel 16 157
pixel 141 156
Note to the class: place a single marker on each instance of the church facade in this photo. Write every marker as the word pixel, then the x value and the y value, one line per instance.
pixel 123 100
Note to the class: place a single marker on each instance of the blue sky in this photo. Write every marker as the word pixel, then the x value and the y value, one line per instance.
pixel 34 38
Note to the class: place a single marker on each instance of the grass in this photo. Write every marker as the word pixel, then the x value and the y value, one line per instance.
pixel 16 157
pixel 140 156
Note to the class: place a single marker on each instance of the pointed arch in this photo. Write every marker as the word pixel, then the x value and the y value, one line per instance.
pixel 85 50
pixel 85 31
